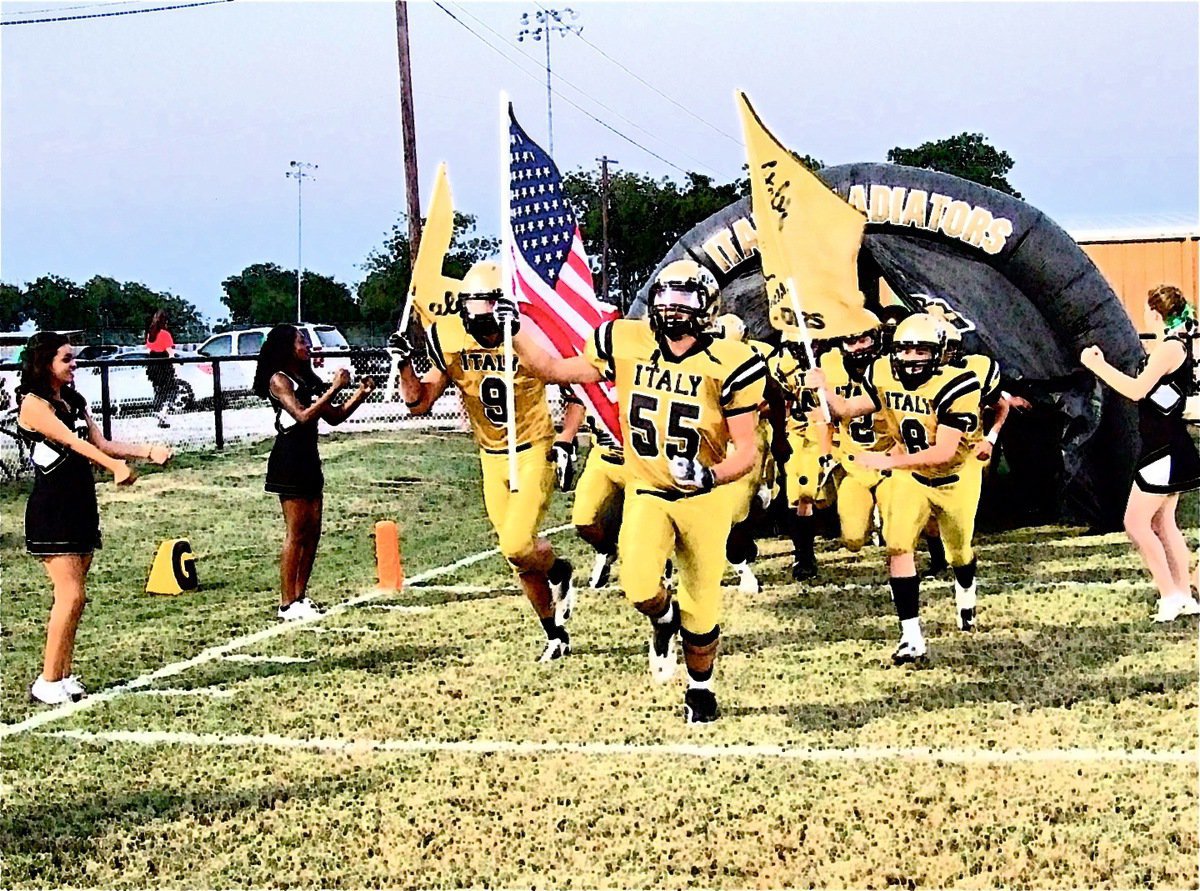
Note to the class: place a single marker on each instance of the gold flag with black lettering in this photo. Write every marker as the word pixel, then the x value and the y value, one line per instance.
pixel 807 235
pixel 429 288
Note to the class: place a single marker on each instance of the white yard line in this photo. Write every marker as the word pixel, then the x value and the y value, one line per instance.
pixel 401 608
pixel 468 589
pixel 683 750
pixel 42 718
pixel 214 692
pixel 276 660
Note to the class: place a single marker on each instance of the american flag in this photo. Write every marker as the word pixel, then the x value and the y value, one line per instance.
pixel 551 278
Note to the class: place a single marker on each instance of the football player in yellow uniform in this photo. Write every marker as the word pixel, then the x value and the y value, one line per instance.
pixel 809 465
pixel 845 369
pixel 600 492
pixel 471 356
pixel 931 409
pixel 688 406
pixel 994 406
pixel 757 487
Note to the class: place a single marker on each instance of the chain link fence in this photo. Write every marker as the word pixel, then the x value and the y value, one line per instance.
pixel 212 404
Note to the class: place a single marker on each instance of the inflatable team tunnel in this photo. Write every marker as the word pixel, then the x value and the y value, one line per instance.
pixel 1024 292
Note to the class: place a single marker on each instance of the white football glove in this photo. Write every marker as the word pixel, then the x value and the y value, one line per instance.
pixel 506 311
pixel 563 454
pixel 690 475
pixel 401 348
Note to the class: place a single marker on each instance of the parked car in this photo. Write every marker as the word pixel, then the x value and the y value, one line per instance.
pixel 238 377
pixel 130 385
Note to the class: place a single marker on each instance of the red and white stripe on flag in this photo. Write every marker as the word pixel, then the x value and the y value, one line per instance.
pixel 551 278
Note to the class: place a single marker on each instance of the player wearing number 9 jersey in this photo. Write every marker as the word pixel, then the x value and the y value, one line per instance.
pixel 931 411
pixel 685 399
pixel 471 356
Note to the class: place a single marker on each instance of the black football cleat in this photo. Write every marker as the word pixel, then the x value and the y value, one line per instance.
pixel 802 570
pixel 700 706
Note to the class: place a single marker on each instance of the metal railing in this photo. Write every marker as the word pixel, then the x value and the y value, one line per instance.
pixel 213 405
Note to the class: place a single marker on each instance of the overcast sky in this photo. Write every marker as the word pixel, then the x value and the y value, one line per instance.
pixel 153 147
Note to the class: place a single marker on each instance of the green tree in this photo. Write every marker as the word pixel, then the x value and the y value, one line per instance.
pixel 265 294
pixel 127 308
pixel 967 155
pixel 384 289
pixel 14 309
pixel 59 303
pixel 645 218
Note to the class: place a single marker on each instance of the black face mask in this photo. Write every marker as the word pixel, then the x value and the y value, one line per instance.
pixel 674 326
pixel 485 329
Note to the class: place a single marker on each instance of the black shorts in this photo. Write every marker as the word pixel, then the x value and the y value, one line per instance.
pixel 294 469
pixel 55 525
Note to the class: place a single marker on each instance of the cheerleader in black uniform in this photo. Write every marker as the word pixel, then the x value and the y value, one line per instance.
pixel 62 522
pixel 284 377
pixel 1168 463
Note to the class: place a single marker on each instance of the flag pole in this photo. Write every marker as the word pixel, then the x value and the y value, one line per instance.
pixel 506 286
pixel 806 340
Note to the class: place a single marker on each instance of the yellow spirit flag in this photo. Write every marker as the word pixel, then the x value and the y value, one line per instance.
pixel 431 294
pixel 807 235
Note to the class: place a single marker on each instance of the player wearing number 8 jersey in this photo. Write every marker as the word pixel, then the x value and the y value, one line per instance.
pixel 471 356
pixel 688 406
pixel 931 411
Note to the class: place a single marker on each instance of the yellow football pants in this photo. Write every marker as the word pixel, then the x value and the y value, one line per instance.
pixel 856 504
pixel 806 479
pixel 695 529
pixel 516 516
pixel 907 500
pixel 602 481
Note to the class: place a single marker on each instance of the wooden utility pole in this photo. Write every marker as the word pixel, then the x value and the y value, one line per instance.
pixel 409 128
pixel 604 162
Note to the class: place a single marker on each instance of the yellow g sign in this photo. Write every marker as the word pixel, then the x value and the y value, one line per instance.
pixel 174 569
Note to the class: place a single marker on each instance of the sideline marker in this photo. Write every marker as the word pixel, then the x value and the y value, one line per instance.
pixel 174 568
pixel 388 565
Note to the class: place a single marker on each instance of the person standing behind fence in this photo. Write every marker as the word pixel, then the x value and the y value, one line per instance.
pixel 161 372
pixel 284 377
pixel 62 520
pixel 1168 463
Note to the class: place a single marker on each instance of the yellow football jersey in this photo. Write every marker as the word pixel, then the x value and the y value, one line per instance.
pixel 949 398
pixel 674 406
pixel 479 374
pixel 801 398
pixel 987 370
pixel 866 434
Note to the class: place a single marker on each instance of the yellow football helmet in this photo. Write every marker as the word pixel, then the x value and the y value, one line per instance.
pixel 919 331
pixel 953 351
pixel 863 353
pixel 483 282
pixel 731 326
pixel 683 300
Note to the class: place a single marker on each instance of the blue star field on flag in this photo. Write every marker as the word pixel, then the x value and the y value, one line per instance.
pixel 543 224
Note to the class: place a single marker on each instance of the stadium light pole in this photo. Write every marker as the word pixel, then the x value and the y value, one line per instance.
pixel 299 174
pixel 548 21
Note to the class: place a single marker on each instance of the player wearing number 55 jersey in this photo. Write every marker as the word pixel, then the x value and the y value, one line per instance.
pixel 689 406
pixel 470 355
pixel 932 412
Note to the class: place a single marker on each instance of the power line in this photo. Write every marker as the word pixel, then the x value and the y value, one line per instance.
pixel 565 98
pixel 70 8
pixel 104 15
pixel 641 79
pixel 587 95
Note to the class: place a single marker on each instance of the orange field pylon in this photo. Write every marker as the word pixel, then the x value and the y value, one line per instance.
pixel 389 567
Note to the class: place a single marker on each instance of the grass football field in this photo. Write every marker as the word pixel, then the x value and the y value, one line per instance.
pixel 411 741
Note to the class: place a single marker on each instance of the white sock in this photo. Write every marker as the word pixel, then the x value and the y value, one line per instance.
pixel 964 598
pixel 694 684
pixel 910 629
pixel 667 617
